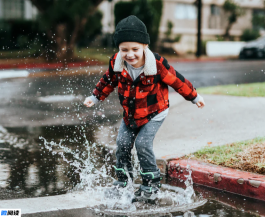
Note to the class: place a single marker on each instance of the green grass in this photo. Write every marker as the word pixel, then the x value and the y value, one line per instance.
pixel 16 54
pixel 248 90
pixel 220 155
pixel 99 54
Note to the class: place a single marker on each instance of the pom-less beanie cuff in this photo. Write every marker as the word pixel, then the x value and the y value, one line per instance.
pixel 130 35
pixel 131 29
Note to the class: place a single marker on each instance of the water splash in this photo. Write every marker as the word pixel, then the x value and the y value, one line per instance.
pixel 95 179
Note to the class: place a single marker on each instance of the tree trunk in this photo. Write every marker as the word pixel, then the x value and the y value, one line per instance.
pixel 226 35
pixel 63 44
pixel 64 49
pixel 227 30
pixel 61 48
pixel 62 40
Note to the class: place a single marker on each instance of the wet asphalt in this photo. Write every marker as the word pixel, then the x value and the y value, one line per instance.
pixel 203 74
pixel 46 101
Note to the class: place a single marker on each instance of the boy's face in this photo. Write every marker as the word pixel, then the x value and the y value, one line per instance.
pixel 133 53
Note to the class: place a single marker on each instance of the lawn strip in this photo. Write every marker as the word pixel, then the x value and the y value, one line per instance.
pixel 247 90
pixel 246 155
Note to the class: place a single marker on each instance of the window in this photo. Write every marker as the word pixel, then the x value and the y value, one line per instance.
pixel 185 11
pixel 258 17
pixel 215 10
pixel 13 9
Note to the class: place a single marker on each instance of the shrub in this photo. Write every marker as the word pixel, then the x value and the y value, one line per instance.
pixel 169 29
pixel 249 34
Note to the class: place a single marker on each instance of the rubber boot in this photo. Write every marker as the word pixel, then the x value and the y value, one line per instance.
pixel 122 177
pixel 115 191
pixel 150 187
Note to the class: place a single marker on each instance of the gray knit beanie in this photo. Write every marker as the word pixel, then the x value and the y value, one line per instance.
pixel 131 29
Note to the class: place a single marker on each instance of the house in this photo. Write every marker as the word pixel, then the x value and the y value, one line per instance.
pixel 183 15
pixel 17 9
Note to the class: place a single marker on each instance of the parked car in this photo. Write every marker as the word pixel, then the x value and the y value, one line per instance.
pixel 253 49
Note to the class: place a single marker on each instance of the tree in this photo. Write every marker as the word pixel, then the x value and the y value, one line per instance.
pixel 234 11
pixel 64 21
pixel 168 33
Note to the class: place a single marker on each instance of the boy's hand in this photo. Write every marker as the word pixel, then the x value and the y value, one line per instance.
pixel 88 102
pixel 200 103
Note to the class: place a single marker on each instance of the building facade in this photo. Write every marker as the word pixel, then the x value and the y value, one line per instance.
pixel 17 9
pixel 183 15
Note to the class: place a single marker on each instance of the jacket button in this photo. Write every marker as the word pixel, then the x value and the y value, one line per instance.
pixel 124 73
pixel 142 76
pixel 131 101
pixel 148 81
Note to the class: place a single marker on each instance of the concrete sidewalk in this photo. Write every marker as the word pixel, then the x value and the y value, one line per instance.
pixel 224 119
pixel 186 129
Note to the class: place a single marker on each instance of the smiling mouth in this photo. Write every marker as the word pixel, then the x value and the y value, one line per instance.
pixel 130 59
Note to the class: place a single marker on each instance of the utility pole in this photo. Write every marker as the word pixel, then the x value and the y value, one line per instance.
pixel 111 23
pixel 199 6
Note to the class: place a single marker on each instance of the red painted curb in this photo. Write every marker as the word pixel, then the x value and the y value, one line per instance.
pixel 231 180
pixel 89 63
pixel 48 65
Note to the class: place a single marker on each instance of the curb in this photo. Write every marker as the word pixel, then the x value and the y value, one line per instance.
pixel 49 65
pixel 93 63
pixel 234 181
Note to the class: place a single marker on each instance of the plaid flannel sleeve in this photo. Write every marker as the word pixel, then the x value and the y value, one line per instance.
pixel 106 84
pixel 174 79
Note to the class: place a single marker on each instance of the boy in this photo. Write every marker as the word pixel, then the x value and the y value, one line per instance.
pixel 142 78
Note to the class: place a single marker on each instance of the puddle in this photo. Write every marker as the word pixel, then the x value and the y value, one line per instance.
pixel 220 203
pixel 28 169
pixel 49 161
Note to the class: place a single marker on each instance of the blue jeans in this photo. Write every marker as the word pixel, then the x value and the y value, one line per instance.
pixel 143 138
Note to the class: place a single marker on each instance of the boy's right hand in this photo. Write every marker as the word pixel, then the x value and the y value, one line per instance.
pixel 88 102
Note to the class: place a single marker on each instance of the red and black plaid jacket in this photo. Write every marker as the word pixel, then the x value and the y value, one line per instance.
pixel 147 96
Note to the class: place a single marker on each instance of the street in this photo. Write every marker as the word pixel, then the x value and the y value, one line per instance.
pixel 203 74
pixel 55 100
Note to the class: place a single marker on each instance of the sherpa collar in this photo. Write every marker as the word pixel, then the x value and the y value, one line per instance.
pixel 149 66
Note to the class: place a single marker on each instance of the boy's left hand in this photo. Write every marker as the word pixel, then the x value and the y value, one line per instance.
pixel 200 103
